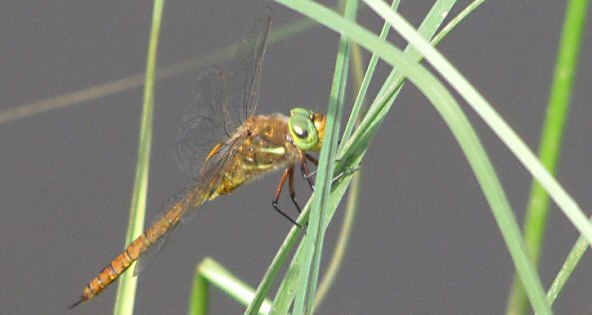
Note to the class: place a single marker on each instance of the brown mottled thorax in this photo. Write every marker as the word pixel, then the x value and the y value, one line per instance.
pixel 266 146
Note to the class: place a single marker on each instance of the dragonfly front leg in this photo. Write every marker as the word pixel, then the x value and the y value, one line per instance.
pixel 288 173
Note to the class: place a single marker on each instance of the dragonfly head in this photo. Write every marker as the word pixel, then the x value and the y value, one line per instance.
pixel 307 129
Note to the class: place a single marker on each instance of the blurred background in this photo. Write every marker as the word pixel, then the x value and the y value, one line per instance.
pixel 424 242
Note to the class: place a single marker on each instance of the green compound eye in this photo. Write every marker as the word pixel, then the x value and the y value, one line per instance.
pixel 303 130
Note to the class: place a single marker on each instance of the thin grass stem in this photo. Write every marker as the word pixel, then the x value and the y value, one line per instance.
pixel 126 289
pixel 190 65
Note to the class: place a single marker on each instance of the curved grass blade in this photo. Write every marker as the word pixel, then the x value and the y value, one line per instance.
pixel 126 289
pixel 314 241
pixel 210 271
pixel 345 232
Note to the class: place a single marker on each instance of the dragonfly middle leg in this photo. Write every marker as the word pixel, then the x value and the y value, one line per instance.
pixel 287 175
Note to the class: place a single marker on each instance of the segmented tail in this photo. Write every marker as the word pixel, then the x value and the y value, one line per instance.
pixel 133 252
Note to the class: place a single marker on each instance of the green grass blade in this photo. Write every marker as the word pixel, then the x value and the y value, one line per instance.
pixel 126 290
pixel 345 232
pixel 211 272
pixel 314 241
pixel 551 140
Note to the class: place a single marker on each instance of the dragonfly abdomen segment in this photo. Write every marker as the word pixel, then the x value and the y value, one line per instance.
pixel 115 268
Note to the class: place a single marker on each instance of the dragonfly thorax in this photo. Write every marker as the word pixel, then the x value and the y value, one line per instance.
pixel 262 144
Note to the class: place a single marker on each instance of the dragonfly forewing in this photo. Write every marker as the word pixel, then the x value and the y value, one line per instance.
pixel 244 74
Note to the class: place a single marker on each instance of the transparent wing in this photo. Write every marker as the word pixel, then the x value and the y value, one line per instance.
pixel 244 74
pixel 203 125
pixel 192 197
pixel 221 104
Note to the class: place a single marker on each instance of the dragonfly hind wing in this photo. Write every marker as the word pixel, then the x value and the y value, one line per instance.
pixel 181 208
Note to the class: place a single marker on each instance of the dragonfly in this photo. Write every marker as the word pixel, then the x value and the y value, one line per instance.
pixel 244 147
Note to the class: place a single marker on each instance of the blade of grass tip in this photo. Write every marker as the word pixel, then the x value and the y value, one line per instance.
pixel 551 141
pixel 186 66
pixel 212 272
pixel 461 128
pixel 363 89
pixel 126 290
pixel 506 134
pixel 200 291
pixel 313 247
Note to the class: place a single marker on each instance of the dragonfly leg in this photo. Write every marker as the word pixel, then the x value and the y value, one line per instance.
pixel 312 159
pixel 278 191
pixel 292 190
pixel 306 172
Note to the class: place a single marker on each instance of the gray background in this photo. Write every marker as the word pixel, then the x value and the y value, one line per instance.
pixel 425 241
